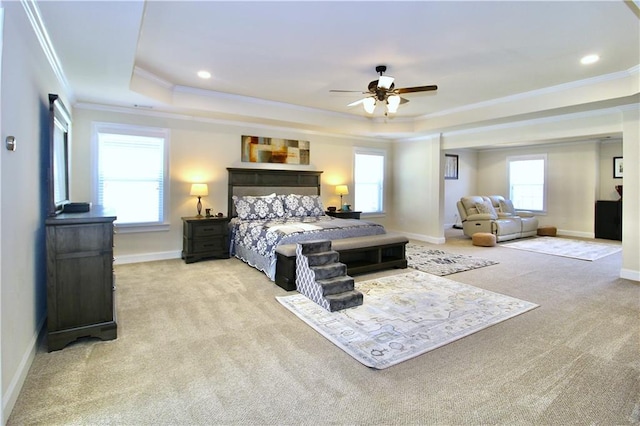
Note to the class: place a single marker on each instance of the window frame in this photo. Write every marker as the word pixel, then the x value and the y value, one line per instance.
pixel 134 130
pixel 378 152
pixel 545 184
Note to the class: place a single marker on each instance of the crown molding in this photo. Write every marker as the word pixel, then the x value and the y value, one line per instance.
pixel 40 30
pixel 142 73
pixel 146 112
pixel 536 121
pixel 539 92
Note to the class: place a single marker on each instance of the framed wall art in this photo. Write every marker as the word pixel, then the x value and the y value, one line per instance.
pixel 450 166
pixel 258 149
pixel 617 167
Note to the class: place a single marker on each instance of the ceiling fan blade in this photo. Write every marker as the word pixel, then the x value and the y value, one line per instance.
pixel 356 102
pixel 416 89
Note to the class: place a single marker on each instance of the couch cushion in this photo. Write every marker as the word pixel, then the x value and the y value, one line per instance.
pixel 486 207
pixel 469 203
pixel 506 206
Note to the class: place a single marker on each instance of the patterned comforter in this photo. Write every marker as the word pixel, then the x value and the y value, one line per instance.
pixel 255 241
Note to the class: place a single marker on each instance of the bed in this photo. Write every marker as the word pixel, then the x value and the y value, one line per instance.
pixel 272 210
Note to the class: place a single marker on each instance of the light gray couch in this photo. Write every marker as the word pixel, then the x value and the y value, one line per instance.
pixel 495 214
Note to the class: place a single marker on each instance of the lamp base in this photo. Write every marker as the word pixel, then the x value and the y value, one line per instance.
pixel 199 206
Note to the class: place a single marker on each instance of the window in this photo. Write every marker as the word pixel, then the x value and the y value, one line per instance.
pixel 132 174
pixel 527 182
pixel 369 180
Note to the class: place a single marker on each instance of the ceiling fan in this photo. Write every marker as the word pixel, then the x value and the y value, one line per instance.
pixel 383 90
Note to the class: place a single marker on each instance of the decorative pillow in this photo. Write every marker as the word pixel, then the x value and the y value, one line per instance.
pixel 254 208
pixel 486 207
pixel 506 206
pixel 303 205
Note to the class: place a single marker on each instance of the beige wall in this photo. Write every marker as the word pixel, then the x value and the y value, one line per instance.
pixel 631 204
pixel 26 81
pixel 572 172
pixel 201 151
pixel 608 150
pixel 417 209
pixel 466 184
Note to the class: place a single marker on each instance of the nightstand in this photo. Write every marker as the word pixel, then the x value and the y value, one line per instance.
pixel 205 237
pixel 344 215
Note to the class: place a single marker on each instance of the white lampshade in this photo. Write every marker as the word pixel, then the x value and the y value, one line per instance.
pixel 199 189
pixel 369 105
pixel 393 102
pixel 342 190
pixel 385 81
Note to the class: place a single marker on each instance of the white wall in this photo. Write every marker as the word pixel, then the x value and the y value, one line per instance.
pixel 201 151
pixel 27 79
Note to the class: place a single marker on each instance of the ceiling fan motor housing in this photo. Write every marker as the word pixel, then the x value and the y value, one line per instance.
pixel 380 92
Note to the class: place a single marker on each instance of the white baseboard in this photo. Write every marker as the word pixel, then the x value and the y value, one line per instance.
pixel 147 257
pixel 629 274
pixel 17 381
pixel 578 234
pixel 421 237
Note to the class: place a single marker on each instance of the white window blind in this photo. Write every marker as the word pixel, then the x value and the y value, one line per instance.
pixel 132 174
pixel 527 180
pixel 369 181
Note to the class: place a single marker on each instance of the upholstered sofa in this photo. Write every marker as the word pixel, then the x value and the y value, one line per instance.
pixel 495 214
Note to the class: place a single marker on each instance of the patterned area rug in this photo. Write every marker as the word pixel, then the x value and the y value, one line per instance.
pixel 438 262
pixel 583 250
pixel 406 315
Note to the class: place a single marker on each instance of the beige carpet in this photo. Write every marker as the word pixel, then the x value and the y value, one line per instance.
pixel 208 344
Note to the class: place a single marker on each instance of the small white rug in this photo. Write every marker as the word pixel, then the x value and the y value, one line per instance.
pixel 406 315
pixel 438 262
pixel 583 250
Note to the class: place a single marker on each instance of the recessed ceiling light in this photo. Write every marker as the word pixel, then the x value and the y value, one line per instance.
pixel 204 74
pixel 589 59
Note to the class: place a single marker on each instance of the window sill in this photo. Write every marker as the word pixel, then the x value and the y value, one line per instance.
pixel 373 214
pixel 131 228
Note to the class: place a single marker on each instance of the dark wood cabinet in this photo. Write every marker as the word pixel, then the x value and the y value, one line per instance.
pixel 609 220
pixel 204 238
pixel 344 214
pixel 80 278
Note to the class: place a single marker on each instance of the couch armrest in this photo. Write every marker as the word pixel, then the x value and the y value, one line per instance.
pixel 481 216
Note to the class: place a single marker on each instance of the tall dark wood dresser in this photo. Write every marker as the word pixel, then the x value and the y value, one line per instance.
pixel 80 278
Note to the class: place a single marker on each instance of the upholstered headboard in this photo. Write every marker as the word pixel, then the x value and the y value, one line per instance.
pixel 267 181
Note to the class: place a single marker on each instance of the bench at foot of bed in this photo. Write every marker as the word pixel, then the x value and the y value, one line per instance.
pixel 360 254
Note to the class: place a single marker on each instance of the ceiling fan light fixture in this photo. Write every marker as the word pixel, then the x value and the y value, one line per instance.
pixel 385 82
pixel 393 102
pixel 369 105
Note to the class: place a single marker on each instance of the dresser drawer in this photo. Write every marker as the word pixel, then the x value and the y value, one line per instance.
pixel 209 229
pixel 210 245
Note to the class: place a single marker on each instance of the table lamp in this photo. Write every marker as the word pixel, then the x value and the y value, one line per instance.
pixel 199 190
